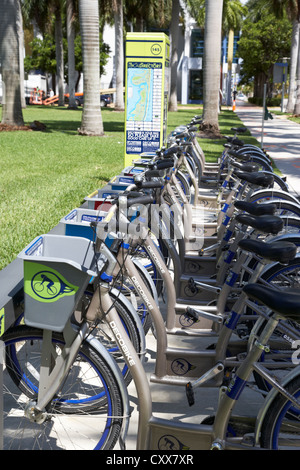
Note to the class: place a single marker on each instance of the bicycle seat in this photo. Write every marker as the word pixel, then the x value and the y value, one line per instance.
pixel 246 167
pixel 255 208
pixel 238 156
pixel 280 251
pixel 240 130
pixel 258 178
pixel 234 141
pixel 263 223
pixel 286 303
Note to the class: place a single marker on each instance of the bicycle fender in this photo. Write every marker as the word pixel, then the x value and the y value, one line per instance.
pixel 102 351
pixel 286 237
pixel 269 400
pixel 289 237
pixel 149 278
pixel 122 298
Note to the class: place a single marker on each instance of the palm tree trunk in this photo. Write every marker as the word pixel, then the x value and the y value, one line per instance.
pixel 174 55
pixel 297 104
pixel 212 64
pixel 293 67
pixel 91 123
pixel 119 54
pixel 9 52
pixel 21 53
pixel 59 55
pixel 71 54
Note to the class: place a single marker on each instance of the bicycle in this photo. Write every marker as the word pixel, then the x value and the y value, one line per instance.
pixel 153 431
pixel 58 377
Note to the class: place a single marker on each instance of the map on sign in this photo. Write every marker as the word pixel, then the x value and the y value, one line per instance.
pixel 143 107
pixel 140 96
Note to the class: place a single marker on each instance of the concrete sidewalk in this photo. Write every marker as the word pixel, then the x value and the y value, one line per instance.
pixel 280 137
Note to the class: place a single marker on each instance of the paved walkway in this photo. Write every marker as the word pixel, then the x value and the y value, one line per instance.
pixel 281 139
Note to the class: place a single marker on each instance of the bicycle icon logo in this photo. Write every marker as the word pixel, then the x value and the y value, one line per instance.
pixel 169 442
pixel 48 286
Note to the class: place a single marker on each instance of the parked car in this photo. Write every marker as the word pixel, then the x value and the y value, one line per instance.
pixel 104 100
pixel 241 96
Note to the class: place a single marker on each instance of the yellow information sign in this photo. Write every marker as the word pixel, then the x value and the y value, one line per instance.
pixel 146 93
pixel 2 321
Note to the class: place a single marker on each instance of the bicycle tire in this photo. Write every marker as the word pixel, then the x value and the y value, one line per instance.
pixel 102 332
pixel 184 184
pixel 129 323
pixel 263 195
pixel 281 423
pixel 123 283
pixel 69 424
pixel 275 274
pixel 278 181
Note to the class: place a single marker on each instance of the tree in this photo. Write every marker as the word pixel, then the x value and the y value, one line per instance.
pixel 232 12
pixel 282 9
pixel 147 15
pixel 43 56
pixel 262 44
pixel 91 123
pixel 293 66
pixel 174 55
pixel 9 52
pixel 42 12
pixel 71 52
pixel 117 6
pixel 59 52
pixel 211 66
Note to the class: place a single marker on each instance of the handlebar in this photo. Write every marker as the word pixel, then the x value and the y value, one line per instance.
pixel 149 184
pixel 163 164
pixel 142 200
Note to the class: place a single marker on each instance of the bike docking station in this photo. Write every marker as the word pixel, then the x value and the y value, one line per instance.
pixel 52 274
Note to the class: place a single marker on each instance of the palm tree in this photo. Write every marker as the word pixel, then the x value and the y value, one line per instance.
pixel 143 15
pixel 233 12
pixel 71 54
pixel 117 6
pixel 91 123
pixel 174 55
pixel 9 52
pixel 211 66
pixel 59 51
pixel 230 13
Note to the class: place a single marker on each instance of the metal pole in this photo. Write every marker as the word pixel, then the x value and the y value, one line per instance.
pixel 263 116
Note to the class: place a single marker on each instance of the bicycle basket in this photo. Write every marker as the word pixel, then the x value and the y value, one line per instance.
pixel 57 270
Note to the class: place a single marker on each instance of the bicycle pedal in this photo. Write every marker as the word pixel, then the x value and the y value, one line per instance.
pixel 190 394
pixel 192 286
pixel 191 313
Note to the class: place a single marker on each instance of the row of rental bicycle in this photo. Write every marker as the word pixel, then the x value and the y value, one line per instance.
pixel 219 243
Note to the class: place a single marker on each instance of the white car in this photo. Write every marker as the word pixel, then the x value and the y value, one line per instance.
pixel 241 96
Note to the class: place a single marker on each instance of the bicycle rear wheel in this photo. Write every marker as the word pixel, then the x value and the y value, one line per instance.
pixel 86 414
pixel 281 426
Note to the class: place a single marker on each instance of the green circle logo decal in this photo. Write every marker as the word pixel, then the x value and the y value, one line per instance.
pixel 45 284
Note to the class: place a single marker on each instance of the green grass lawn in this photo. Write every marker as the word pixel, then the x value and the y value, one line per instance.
pixel 44 175
pixel 289 116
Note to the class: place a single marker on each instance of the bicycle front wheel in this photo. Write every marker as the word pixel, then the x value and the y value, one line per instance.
pixel 87 412
pixel 281 426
